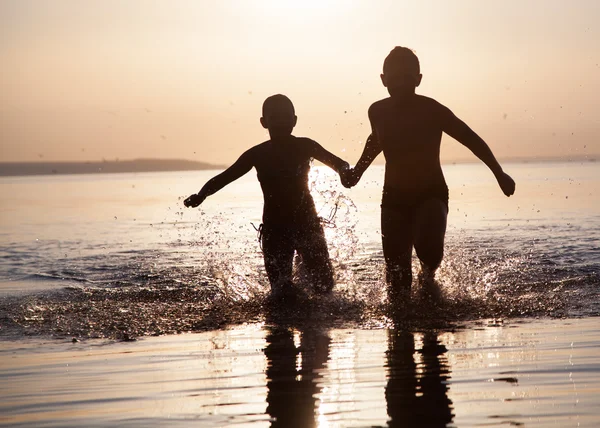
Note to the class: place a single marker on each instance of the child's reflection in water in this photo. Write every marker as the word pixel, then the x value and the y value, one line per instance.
pixel 415 393
pixel 292 390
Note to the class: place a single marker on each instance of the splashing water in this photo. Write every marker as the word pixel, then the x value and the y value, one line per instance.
pixel 202 269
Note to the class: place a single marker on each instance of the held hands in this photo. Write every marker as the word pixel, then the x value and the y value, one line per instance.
pixel 349 178
pixel 507 184
pixel 194 200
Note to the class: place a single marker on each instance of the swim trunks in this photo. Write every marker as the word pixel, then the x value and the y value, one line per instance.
pixel 399 200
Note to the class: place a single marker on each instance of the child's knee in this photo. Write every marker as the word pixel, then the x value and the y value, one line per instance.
pixel 432 257
pixel 321 275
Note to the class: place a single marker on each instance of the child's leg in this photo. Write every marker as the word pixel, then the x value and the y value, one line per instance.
pixel 397 240
pixel 312 247
pixel 429 230
pixel 278 252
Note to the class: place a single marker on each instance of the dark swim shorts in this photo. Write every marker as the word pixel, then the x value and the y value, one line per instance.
pixel 399 200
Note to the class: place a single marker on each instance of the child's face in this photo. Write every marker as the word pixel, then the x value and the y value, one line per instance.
pixel 400 78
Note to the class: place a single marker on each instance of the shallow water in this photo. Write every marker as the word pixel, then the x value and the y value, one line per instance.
pixel 117 255
pixel 517 373
pixel 106 259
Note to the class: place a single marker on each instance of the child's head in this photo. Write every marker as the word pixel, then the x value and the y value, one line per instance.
pixel 278 115
pixel 401 71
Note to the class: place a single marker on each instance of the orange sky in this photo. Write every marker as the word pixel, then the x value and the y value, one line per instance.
pixel 186 79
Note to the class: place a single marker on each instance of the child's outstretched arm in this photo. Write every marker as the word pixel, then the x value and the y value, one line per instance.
pixel 235 171
pixel 461 132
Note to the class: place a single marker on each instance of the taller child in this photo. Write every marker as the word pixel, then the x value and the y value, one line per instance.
pixel 408 129
pixel 290 220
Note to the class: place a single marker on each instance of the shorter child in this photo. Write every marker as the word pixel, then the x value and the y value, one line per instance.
pixel 290 220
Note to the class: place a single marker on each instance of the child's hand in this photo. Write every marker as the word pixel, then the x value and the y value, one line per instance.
pixel 194 200
pixel 507 184
pixel 349 178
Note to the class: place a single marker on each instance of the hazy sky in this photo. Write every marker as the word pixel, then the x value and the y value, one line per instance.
pixel 86 80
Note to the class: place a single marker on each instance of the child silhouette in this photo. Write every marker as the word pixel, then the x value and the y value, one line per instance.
pixel 290 220
pixel 408 129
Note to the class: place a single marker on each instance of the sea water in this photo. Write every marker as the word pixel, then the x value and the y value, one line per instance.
pixel 117 256
pixel 121 238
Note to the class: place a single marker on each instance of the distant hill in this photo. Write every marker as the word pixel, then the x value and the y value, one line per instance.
pixel 537 159
pixel 157 165
pixel 136 165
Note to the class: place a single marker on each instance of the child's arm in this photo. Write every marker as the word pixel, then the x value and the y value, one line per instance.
pixel 332 161
pixel 235 171
pixel 370 152
pixel 461 132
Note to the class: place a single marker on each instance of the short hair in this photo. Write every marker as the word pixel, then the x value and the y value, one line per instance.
pixel 276 102
pixel 401 56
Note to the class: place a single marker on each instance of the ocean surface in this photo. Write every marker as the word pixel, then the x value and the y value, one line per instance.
pixel 118 257
pixel 124 238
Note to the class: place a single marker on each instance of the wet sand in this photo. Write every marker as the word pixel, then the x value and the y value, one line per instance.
pixel 488 373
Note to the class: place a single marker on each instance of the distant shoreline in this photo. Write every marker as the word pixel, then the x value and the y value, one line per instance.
pixel 103 167
pixel 584 158
pixel 8 169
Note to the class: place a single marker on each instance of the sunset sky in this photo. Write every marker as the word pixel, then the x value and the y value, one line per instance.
pixel 92 80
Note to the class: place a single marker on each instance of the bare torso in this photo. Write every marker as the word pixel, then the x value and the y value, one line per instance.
pixel 410 135
pixel 282 168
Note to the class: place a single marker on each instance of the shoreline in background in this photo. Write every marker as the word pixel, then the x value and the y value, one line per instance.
pixel 8 169
pixel 103 167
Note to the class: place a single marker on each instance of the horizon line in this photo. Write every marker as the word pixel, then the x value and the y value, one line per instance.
pixel 147 165
pixel 578 157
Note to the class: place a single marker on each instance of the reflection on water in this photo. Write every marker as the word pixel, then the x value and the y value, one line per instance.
pixel 294 373
pixel 543 373
pixel 299 365
pixel 417 388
